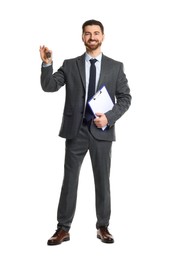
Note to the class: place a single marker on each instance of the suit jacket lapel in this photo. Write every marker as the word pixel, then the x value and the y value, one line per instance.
pixel 104 68
pixel 103 72
pixel 81 68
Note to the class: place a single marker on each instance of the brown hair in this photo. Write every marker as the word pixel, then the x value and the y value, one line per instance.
pixel 92 22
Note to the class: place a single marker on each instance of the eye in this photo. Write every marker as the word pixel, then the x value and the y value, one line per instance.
pixel 87 33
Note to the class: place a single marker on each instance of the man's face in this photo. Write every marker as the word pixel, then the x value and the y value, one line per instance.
pixel 92 37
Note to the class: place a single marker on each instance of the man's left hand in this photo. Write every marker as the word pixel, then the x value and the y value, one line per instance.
pixel 100 120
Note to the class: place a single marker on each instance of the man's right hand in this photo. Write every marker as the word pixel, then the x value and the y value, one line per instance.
pixel 46 54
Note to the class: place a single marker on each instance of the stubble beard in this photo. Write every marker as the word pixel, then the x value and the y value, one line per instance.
pixel 92 47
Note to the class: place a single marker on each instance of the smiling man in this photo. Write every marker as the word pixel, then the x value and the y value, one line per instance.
pixel 93 37
pixel 83 76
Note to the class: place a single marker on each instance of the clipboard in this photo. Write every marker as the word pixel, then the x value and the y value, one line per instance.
pixel 101 102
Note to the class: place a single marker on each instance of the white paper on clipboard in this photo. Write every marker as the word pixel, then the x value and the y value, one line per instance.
pixel 101 102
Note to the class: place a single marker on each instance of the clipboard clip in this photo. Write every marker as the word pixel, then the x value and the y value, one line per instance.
pixel 97 94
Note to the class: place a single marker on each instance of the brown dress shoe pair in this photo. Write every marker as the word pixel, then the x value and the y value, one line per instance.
pixel 104 235
pixel 59 237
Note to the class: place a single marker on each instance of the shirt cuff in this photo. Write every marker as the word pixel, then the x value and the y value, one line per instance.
pixel 44 65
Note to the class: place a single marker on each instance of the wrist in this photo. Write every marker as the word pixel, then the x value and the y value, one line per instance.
pixel 46 64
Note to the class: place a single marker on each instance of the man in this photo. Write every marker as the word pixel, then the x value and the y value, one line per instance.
pixel 83 130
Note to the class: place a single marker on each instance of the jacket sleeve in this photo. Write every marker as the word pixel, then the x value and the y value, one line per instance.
pixel 50 81
pixel 123 98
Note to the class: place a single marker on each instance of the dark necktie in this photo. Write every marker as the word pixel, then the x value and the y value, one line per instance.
pixel 91 88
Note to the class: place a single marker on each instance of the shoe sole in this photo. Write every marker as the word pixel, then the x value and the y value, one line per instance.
pixel 105 241
pixel 58 243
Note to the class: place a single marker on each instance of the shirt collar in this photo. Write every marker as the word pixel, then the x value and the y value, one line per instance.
pixel 88 57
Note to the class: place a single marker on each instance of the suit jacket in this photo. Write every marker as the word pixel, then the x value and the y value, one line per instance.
pixel 72 75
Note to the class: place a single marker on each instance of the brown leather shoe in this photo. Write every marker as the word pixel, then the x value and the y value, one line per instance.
pixel 59 237
pixel 104 235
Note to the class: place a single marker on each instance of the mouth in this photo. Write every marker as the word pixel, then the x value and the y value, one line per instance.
pixel 92 42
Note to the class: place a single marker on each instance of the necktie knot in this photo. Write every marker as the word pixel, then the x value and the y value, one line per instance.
pixel 93 61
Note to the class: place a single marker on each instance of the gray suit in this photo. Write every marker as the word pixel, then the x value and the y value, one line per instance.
pixel 79 139
pixel 72 73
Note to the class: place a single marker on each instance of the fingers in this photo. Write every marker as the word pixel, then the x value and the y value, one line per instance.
pixel 101 120
pixel 42 48
pixel 45 54
pixel 99 114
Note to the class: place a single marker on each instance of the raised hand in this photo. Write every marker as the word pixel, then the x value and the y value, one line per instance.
pixel 45 54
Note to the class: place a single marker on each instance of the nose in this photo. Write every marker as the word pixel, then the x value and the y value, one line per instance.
pixel 92 36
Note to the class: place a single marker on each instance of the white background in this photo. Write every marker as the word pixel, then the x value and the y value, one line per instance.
pixel 138 33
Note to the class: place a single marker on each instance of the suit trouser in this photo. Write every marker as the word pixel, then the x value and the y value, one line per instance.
pixel 100 154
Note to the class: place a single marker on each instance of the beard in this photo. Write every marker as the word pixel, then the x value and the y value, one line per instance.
pixel 92 47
